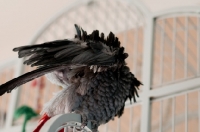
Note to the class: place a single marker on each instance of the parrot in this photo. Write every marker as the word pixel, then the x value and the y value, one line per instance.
pixel 90 68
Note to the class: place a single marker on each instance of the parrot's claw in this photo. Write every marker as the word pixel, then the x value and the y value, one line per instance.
pixel 95 130
pixel 94 122
pixel 95 126
pixel 84 121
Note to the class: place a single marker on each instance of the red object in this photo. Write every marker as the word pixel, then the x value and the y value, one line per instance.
pixel 44 119
pixel 40 82
pixel 62 130
pixel 33 83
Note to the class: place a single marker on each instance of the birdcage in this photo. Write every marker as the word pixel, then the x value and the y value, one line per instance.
pixel 164 52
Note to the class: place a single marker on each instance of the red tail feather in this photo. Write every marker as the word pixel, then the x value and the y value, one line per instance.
pixel 44 119
pixel 62 130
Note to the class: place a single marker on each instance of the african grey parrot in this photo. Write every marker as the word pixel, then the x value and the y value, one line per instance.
pixel 92 71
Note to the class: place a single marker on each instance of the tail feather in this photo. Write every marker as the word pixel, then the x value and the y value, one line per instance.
pixel 10 85
pixel 44 119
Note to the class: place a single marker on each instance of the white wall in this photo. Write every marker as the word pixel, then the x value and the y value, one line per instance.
pixel 20 19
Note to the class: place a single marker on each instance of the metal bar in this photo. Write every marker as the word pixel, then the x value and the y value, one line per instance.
pixel 161 110
pixel 1 119
pixel 131 120
pixel 128 104
pixel 175 94
pixel 1 115
pixel 199 110
pixel 118 125
pixel 181 12
pixel 5 98
pixel 186 47
pixel 174 50
pixel 1 105
pixel 173 113
pixel 186 111
pixel 14 96
pixel 173 88
pixel 162 50
pixel 147 73
pixel 135 51
pixel 180 23
pixel 65 129
pixel 106 127
pixel 198 46
pixel 194 26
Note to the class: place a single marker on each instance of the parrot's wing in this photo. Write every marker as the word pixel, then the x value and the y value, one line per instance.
pixel 84 50
pixel 65 52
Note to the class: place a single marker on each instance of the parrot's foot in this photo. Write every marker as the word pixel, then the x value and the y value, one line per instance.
pixel 95 125
pixel 44 119
pixel 95 130
pixel 84 121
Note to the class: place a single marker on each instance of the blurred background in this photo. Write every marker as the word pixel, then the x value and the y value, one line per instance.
pixel 162 38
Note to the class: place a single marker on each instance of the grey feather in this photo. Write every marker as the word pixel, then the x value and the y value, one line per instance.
pixel 92 71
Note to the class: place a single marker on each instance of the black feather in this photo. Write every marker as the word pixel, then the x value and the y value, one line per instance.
pixel 68 51
pixel 96 47
pixel 78 31
pixel 10 85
